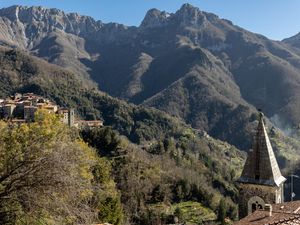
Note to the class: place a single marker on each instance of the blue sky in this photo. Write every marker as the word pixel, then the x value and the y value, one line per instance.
pixel 276 19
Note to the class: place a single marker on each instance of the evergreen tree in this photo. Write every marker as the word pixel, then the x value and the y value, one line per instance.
pixel 222 211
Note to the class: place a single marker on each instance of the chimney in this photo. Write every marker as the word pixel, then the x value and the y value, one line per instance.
pixel 268 208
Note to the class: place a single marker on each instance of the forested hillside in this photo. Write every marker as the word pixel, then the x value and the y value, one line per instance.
pixel 159 163
pixel 191 64
pixel 179 76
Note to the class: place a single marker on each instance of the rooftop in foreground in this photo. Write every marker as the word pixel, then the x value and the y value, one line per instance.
pixel 282 214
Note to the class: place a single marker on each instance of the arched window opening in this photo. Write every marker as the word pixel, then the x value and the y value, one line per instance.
pixel 253 207
pixel 255 203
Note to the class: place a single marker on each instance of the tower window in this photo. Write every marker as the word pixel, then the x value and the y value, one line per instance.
pixel 256 206
pixel 253 207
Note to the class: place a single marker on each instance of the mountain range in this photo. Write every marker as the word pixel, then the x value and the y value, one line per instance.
pixel 190 64
pixel 144 146
pixel 162 86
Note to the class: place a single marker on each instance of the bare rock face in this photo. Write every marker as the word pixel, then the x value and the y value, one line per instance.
pixel 26 27
pixel 186 16
pixel 189 15
pixel 207 66
pixel 155 18
pixel 44 19
pixel 10 13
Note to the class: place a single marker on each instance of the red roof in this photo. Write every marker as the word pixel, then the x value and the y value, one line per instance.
pixel 282 214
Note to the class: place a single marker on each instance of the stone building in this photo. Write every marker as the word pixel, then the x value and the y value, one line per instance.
pixel 71 118
pixel 261 182
pixel 29 112
pixel 20 108
pixel 8 110
pixel 67 116
pixel 88 124
pixel 64 115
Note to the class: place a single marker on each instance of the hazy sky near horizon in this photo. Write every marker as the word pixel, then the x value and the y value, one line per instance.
pixel 276 19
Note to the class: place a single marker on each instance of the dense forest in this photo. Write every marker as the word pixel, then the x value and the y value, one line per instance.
pixel 143 167
pixel 51 174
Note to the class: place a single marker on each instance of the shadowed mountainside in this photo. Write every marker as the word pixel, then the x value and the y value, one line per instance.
pixel 190 64
pixel 152 141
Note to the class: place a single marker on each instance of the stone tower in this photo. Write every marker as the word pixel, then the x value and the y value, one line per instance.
pixel 261 181
pixel 71 117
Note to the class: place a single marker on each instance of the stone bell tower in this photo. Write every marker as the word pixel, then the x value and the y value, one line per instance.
pixel 261 181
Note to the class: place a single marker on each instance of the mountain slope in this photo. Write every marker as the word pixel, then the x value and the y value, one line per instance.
pixel 170 165
pixel 162 143
pixel 265 71
pixel 165 67
pixel 232 70
pixel 48 33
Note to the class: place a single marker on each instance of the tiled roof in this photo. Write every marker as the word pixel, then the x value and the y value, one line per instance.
pixel 283 214
pixel 291 221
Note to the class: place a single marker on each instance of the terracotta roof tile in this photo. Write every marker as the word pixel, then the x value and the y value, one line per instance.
pixel 283 214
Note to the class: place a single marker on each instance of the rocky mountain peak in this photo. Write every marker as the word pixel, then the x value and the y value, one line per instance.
pixel 11 12
pixel 18 12
pixel 188 15
pixel 188 9
pixel 293 39
pixel 188 6
pixel 155 18
pixel 51 19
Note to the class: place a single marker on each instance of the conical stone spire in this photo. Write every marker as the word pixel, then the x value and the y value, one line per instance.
pixel 261 166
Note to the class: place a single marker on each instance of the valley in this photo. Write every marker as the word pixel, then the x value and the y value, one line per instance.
pixel 178 96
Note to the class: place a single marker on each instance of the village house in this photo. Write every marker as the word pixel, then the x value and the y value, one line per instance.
pixel 21 108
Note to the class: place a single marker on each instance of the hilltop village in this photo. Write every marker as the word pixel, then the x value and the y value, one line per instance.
pixel 20 108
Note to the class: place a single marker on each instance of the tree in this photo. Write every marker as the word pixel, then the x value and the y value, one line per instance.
pixel 46 174
pixel 222 211
pixel 105 140
pixel 107 202
pixel 178 214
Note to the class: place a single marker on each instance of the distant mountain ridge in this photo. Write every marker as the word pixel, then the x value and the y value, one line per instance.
pixel 52 34
pixel 190 63
pixel 52 19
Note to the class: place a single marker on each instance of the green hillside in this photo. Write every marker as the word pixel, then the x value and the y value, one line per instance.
pixel 158 159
